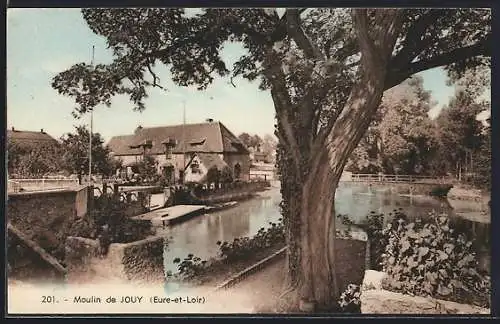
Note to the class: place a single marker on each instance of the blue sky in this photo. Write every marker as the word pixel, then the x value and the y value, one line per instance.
pixel 43 42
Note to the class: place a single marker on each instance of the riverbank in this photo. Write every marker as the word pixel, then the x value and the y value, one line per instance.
pixel 470 203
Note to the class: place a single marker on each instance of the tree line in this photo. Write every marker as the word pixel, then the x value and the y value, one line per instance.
pixel 69 155
pixel 266 145
pixel 404 139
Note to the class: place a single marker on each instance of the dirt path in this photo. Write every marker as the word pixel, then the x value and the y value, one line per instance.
pixel 258 292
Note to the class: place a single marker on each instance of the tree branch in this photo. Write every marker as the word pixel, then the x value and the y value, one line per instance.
pixel 366 44
pixel 413 43
pixel 299 36
pixel 396 76
pixel 155 77
pixel 282 102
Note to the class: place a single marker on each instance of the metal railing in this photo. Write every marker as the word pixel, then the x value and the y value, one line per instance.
pixel 396 178
pixel 15 185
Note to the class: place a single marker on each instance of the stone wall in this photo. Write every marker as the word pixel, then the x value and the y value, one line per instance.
pixel 79 252
pixel 425 189
pixel 376 300
pixel 143 260
pixel 243 160
pixel 45 217
pixel 137 261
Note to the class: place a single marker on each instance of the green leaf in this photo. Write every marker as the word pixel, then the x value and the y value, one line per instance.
pixel 443 273
pixel 422 251
pixel 444 291
pixel 405 245
pixel 442 256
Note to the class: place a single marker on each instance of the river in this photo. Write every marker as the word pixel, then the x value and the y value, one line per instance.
pixel 200 234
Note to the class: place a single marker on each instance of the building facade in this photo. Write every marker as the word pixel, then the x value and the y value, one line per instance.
pixel 185 152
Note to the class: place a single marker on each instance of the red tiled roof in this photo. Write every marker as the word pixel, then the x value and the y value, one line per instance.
pixel 30 138
pixel 210 137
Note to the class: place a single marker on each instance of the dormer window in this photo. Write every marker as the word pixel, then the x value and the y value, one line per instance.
pixel 197 142
pixel 169 145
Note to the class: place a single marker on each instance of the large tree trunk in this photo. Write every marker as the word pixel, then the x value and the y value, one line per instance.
pixel 311 246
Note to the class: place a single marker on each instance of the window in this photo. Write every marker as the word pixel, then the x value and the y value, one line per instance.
pixel 237 171
pixel 168 153
pixel 195 167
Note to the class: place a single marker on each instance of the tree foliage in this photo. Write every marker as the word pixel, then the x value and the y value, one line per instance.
pixel 147 168
pixel 75 148
pixel 33 161
pixel 402 138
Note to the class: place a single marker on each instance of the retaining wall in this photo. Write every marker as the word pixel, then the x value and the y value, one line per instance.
pixel 137 261
pixel 376 300
pixel 426 189
pixel 46 217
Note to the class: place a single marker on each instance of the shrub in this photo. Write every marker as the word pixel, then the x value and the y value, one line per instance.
pixel 441 190
pixel 240 249
pixel 243 248
pixel 430 259
pixel 349 301
pixel 190 267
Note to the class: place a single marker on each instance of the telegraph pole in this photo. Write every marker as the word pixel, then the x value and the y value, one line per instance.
pixel 183 140
pixel 91 125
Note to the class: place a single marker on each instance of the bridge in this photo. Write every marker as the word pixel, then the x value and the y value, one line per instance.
pixel 400 184
pixel 393 178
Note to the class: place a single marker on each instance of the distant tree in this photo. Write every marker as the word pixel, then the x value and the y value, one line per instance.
pixel 461 134
pixel 482 177
pixel 226 175
pixel 14 155
pixel 256 142
pixel 401 138
pixel 147 168
pixel 75 148
pixel 213 176
pixel 269 146
pixel 33 161
pixel 245 138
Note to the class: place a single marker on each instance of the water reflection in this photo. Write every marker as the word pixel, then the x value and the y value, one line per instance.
pixel 358 201
pixel 199 235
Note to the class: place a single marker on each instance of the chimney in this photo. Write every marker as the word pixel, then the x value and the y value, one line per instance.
pixel 209 120
pixel 138 129
pixel 13 129
pixel 41 130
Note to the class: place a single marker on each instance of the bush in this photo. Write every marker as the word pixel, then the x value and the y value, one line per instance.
pixel 243 248
pixel 440 191
pixel 430 259
pixel 349 301
pixel 190 267
pixel 238 250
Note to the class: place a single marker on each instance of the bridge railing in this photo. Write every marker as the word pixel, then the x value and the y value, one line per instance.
pixel 14 185
pixel 359 177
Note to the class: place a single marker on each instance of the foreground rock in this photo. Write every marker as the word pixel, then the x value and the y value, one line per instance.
pixel 376 300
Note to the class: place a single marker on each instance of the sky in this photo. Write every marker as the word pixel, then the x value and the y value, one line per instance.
pixel 44 42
